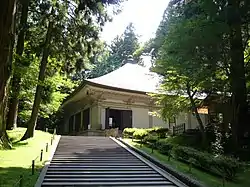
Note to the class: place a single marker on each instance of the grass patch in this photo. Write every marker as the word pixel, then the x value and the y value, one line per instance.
pixel 243 179
pixel 18 160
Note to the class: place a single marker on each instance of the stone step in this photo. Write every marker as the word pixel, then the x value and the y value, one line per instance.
pixel 123 155
pixel 99 161
pixel 130 172
pixel 95 157
pixel 99 169
pixel 52 175
pixel 92 166
pixel 135 183
pixel 102 179
pixel 96 164
pixel 94 160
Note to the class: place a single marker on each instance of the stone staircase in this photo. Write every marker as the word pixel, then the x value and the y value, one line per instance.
pixel 98 161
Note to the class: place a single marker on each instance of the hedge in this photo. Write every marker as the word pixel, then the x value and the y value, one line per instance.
pixel 151 140
pixel 140 134
pixel 220 165
pixel 128 132
pixel 164 146
pixel 162 132
pixel 159 131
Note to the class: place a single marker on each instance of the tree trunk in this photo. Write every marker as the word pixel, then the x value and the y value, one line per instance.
pixel 35 109
pixel 13 104
pixel 16 80
pixel 197 115
pixel 240 122
pixel 7 12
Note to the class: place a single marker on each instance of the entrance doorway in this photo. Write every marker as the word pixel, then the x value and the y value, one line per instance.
pixel 85 118
pixel 120 118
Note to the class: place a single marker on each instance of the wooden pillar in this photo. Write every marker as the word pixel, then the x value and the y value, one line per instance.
pixel 66 125
pixel 81 127
pixel 74 122
pixel 98 115
pixel 150 118
pixel 107 118
pixel 189 125
pixel 90 117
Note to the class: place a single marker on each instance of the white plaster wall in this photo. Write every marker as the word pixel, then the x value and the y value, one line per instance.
pixel 140 118
pixel 182 118
pixel 158 122
pixel 103 117
pixel 204 118
pixel 194 122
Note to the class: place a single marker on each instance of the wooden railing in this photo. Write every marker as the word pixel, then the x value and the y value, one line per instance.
pixel 179 129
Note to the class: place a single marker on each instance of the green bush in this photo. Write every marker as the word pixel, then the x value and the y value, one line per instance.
pixel 151 130
pixel 185 153
pixel 229 166
pixel 186 140
pixel 150 139
pixel 140 134
pixel 162 132
pixel 220 165
pixel 164 146
pixel 128 132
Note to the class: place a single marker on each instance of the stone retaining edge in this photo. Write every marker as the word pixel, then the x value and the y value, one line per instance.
pixel 182 177
pixel 47 163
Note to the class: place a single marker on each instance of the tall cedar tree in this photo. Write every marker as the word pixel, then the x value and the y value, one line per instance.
pixel 7 14
pixel 62 12
pixel 17 75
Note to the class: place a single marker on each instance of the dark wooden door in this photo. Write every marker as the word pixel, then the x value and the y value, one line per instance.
pixel 71 121
pixel 78 122
pixel 107 118
pixel 126 119
pixel 85 119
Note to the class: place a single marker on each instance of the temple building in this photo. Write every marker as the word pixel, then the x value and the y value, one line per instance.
pixel 120 99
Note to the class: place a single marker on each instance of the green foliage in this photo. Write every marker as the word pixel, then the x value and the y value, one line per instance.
pixel 140 134
pixel 158 132
pixel 220 165
pixel 164 146
pixel 190 51
pixel 228 166
pixel 151 139
pixel 56 88
pixel 162 132
pixel 187 140
pixel 116 54
pixel 128 132
pixel 74 42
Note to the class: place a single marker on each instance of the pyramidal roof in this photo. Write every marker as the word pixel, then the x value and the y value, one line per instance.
pixel 130 76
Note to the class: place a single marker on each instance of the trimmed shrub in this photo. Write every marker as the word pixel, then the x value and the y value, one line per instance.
pixel 162 132
pixel 186 140
pixel 224 166
pixel 227 165
pixel 150 139
pixel 140 134
pixel 128 132
pixel 185 153
pixel 164 146
pixel 151 130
